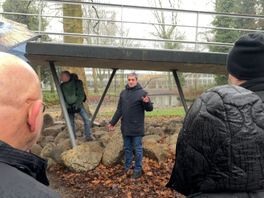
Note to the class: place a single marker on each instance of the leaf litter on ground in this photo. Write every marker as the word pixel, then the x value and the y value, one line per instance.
pixel 108 182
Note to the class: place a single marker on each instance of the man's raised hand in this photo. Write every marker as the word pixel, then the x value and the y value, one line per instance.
pixel 146 99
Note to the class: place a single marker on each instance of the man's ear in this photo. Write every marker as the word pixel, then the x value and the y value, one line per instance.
pixel 33 113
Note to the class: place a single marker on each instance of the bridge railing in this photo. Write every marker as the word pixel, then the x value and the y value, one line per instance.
pixel 137 26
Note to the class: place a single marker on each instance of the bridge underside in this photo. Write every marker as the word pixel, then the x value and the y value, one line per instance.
pixel 47 54
pixel 126 58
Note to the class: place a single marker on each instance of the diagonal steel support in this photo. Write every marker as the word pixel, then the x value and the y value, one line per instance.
pixel 62 103
pixel 178 83
pixel 103 96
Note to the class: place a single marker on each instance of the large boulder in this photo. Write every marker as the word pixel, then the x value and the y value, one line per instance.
pixel 104 139
pixel 65 144
pixel 55 154
pixel 158 152
pixel 151 138
pixel 173 149
pixel 149 130
pixel 47 151
pixel 155 131
pixel 61 147
pixel 79 125
pixel 99 134
pixel 172 139
pixel 46 140
pixel 156 124
pixel 159 131
pixel 114 150
pixel 97 128
pixel 61 137
pixel 49 139
pixel 84 157
pixel 51 163
pixel 173 127
pixel 53 130
pixel 36 149
pixel 103 123
pixel 47 121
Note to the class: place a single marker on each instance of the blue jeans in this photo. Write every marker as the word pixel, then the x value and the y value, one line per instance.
pixel 86 121
pixel 131 142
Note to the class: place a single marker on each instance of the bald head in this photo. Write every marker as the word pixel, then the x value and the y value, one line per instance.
pixel 18 81
pixel 20 99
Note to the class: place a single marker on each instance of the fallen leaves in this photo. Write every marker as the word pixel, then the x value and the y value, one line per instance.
pixel 129 195
pixel 110 182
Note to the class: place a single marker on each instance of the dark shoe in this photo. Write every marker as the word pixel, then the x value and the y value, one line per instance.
pixel 136 174
pixel 89 139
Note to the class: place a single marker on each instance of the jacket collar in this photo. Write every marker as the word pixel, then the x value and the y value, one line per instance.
pixel 254 85
pixel 138 86
pixel 28 163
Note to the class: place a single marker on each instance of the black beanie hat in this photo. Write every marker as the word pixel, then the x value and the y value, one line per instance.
pixel 245 61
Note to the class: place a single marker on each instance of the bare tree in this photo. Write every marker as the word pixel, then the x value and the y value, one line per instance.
pixel 166 27
pixel 103 25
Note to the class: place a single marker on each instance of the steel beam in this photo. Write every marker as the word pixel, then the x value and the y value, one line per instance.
pixel 62 103
pixel 103 96
pixel 178 83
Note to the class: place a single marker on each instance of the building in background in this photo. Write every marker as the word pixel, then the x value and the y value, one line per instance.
pixel 199 80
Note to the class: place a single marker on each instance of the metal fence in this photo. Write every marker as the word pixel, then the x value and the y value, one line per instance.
pixel 125 25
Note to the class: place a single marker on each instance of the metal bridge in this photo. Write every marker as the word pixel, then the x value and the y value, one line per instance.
pixel 126 48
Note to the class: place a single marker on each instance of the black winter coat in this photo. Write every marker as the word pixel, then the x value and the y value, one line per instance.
pixel 22 175
pixel 131 110
pixel 221 145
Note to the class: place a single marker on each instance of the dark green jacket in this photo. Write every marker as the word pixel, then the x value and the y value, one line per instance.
pixel 73 92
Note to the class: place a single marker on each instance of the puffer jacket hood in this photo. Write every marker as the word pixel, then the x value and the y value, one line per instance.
pixel 221 145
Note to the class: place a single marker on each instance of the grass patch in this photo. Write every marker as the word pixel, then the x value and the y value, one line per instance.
pixel 50 98
pixel 174 111
pixel 164 112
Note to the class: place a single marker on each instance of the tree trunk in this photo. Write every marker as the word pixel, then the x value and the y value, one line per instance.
pixel 95 85
pixel 52 86
pixel 75 26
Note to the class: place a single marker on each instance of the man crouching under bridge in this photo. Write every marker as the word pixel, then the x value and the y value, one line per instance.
pixel 220 149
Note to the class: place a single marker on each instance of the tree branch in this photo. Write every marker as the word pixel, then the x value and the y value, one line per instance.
pixel 97 15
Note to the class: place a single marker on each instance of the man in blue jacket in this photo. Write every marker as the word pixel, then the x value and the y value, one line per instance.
pixel 133 103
